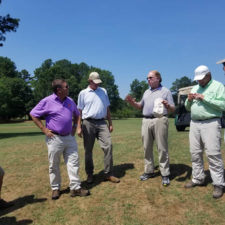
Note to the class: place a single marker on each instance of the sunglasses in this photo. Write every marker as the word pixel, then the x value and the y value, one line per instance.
pixel 150 78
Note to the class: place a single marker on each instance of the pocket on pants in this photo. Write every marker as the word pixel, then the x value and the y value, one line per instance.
pixel 49 141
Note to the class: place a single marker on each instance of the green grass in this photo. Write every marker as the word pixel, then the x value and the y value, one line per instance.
pixel 23 156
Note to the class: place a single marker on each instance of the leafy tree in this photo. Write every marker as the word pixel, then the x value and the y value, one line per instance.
pixel 137 89
pixel 7 24
pixel 7 68
pixel 15 93
pixel 77 77
pixel 180 83
pixel 14 97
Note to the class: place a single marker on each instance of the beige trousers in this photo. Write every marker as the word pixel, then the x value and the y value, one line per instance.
pixel 66 146
pixel 206 135
pixel 156 129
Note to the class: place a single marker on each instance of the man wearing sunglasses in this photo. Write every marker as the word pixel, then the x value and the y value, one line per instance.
pixel 61 114
pixel 155 125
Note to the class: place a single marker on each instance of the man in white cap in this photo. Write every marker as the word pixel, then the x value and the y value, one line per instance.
pixel 206 103
pixel 93 104
pixel 222 62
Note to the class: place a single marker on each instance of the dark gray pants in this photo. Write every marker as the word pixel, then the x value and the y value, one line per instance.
pixel 97 129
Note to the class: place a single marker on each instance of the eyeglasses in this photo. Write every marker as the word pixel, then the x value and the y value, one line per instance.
pixel 150 78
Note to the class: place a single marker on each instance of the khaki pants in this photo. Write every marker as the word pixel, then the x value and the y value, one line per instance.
pixel 206 135
pixel 156 129
pixel 97 129
pixel 66 146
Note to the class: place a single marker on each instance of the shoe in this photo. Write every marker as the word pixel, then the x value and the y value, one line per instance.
pixel 217 191
pixel 90 178
pixel 146 176
pixel 55 194
pixel 79 192
pixel 165 181
pixel 4 204
pixel 191 184
pixel 112 179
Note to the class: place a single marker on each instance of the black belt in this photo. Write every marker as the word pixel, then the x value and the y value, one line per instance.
pixel 207 119
pixel 152 117
pixel 60 134
pixel 149 117
pixel 94 119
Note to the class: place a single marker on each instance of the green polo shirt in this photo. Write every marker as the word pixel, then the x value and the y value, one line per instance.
pixel 213 103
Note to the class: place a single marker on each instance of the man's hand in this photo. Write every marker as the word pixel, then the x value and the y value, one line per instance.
pixel 79 132
pixel 191 97
pixel 166 104
pixel 48 132
pixel 129 99
pixel 110 128
pixel 199 96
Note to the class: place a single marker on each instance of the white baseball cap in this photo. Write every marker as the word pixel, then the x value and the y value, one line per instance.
pixel 221 61
pixel 94 76
pixel 200 72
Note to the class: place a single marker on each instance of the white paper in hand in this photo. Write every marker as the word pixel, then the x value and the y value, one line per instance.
pixel 159 109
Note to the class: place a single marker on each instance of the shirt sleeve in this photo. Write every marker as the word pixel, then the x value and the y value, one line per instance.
pixel 170 98
pixel 187 105
pixel 107 99
pixel 217 99
pixel 76 112
pixel 80 101
pixel 40 109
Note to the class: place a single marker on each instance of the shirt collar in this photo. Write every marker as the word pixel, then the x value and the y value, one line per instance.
pixel 206 84
pixel 90 89
pixel 156 89
pixel 55 96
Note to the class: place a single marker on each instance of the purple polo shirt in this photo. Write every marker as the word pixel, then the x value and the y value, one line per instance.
pixel 58 115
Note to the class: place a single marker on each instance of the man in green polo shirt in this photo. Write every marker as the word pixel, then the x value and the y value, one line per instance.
pixel 206 103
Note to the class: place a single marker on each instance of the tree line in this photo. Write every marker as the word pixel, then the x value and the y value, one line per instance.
pixel 21 91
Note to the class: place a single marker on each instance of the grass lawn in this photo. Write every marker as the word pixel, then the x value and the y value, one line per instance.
pixel 23 155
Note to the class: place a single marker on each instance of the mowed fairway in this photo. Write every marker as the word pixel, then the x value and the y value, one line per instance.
pixel 23 155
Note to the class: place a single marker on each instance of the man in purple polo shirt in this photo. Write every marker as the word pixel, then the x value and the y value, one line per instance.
pixel 60 112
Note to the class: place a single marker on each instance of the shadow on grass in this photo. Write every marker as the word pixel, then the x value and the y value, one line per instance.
pixel 12 121
pixel 20 203
pixel 10 135
pixel 12 221
pixel 118 171
pixel 177 170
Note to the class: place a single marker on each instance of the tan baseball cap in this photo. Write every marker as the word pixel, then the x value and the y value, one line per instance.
pixel 94 76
